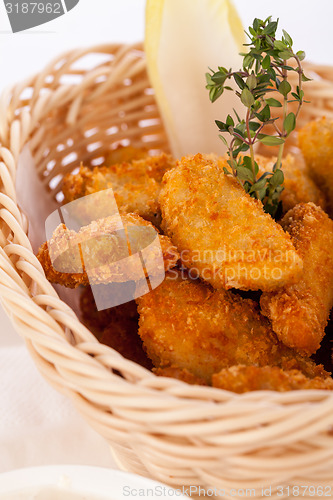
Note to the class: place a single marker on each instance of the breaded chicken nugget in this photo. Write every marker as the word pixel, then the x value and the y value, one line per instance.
pixel 298 185
pixel 222 232
pixel 316 143
pixel 299 313
pixel 116 327
pixel 186 323
pixel 97 253
pixel 243 378
pixel 136 185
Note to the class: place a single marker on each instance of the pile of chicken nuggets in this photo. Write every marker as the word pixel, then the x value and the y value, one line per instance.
pixel 245 299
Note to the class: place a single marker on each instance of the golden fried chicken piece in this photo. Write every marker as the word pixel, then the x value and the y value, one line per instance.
pixel 136 186
pixel 223 233
pixel 316 143
pixel 188 324
pixel 98 253
pixel 299 313
pixel 179 374
pixel 298 185
pixel 116 327
pixel 243 378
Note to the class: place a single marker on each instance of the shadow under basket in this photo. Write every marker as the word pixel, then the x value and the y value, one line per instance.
pixel 84 104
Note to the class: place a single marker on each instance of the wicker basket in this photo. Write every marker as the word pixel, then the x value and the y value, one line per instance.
pixel 157 427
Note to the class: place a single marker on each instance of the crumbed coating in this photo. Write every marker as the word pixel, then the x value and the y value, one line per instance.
pixel 102 243
pixel 299 313
pixel 243 378
pixel 299 187
pixel 222 232
pixel 316 142
pixel 188 324
pixel 135 185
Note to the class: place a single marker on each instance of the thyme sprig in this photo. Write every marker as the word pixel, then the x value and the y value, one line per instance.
pixel 265 70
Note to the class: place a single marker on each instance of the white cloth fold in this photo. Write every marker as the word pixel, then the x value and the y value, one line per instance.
pixel 39 426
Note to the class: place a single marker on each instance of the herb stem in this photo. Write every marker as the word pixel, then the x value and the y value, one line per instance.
pixel 275 66
pixel 300 73
pixel 238 136
pixel 258 132
pixel 277 129
pixel 285 109
pixel 279 158
pixel 233 161
pixel 250 142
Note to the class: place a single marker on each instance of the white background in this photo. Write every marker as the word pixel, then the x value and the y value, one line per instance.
pixel 99 21
pixel 95 21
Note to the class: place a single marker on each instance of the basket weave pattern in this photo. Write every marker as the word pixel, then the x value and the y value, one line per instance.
pixel 176 433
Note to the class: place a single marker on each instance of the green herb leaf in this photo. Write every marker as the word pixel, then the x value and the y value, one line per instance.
pixel 258 185
pixel 238 79
pixel 251 82
pixel 301 55
pixel 296 96
pixel 247 162
pixel 254 126
pixel 209 79
pixel 277 179
pixel 266 113
pixel 285 55
pixel 266 62
pixel 279 45
pixel 270 28
pixel 230 122
pixel 215 93
pixel 244 174
pixel 248 61
pixel 272 140
pixel 305 78
pixel 256 24
pixel 272 74
pixel 284 88
pixel 219 78
pixel 223 139
pixel 222 126
pixel 289 123
pixel 247 98
pixel 288 38
pixel 236 114
pixel 273 103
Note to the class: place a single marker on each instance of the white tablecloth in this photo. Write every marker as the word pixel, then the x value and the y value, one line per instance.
pixel 39 426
